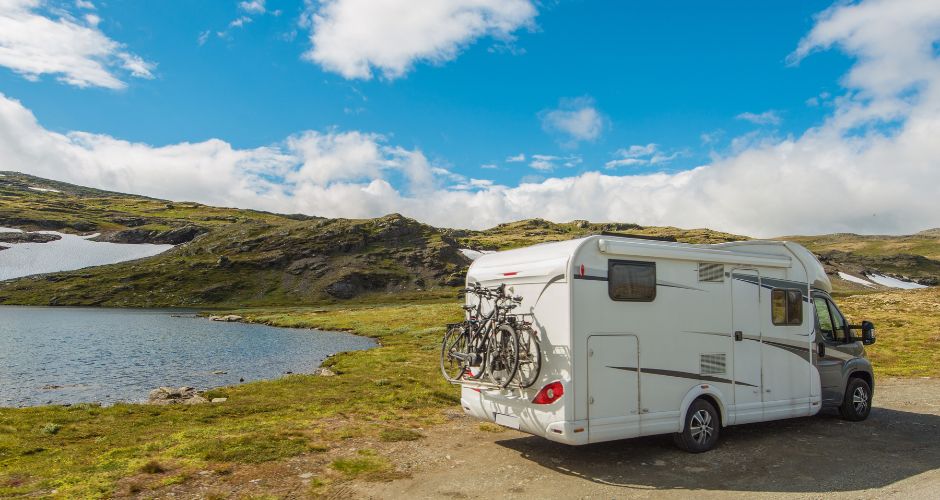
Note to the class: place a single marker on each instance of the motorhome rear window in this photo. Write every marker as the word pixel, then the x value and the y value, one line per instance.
pixel 786 307
pixel 630 280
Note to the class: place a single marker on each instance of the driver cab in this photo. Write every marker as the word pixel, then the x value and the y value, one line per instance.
pixel 839 354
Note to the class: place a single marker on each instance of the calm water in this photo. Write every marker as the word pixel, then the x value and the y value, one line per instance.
pixel 109 355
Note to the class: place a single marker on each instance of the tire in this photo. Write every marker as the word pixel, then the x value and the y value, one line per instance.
pixel 502 356
pixel 702 426
pixel 455 341
pixel 856 403
pixel 530 357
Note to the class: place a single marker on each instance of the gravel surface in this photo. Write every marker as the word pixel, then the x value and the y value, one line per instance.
pixel 895 453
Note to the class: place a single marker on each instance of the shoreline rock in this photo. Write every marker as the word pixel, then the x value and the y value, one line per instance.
pixel 227 318
pixel 170 396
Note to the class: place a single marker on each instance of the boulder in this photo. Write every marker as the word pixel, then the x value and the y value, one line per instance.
pixel 170 395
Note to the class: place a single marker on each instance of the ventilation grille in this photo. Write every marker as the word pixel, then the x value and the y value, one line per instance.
pixel 712 364
pixel 711 272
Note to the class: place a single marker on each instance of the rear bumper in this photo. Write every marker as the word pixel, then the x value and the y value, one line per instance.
pixel 547 422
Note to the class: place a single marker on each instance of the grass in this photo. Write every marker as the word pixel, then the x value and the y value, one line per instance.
pixel 95 448
pixel 907 325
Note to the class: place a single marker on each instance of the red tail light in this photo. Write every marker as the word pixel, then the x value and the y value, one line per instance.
pixel 549 394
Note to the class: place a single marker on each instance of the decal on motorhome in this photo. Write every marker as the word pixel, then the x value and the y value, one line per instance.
pixel 678 374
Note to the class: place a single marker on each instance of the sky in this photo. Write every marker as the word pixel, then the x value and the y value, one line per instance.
pixel 760 118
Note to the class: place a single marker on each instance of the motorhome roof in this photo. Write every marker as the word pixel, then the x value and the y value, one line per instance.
pixel 551 259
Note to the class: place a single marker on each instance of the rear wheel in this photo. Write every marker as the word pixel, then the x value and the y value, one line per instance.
pixel 454 350
pixel 530 357
pixel 856 403
pixel 502 355
pixel 702 425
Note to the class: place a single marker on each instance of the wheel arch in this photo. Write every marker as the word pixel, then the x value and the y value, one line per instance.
pixel 708 393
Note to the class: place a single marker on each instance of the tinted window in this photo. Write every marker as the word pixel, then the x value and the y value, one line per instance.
pixel 822 313
pixel 786 307
pixel 631 280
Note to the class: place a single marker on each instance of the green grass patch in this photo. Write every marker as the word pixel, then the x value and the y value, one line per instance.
pixel 491 427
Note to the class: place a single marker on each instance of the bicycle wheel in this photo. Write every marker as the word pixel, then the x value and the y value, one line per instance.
pixel 454 352
pixel 477 351
pixel 502 355
pixel 530 356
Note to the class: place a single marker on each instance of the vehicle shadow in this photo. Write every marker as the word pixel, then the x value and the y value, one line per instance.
pixel 807 455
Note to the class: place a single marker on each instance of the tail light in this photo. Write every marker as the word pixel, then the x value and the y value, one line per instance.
pixel 549 394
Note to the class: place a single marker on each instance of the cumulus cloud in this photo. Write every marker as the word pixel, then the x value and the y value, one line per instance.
pixel 35 41
pixel 516 159
pixel 766 118
pixel 356 38
pixel 847 174
pixel 575 120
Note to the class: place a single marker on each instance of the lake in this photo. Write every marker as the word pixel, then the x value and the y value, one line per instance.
pixel 69 355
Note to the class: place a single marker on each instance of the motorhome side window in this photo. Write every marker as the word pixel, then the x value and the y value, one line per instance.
pixel 629 280
pixel 786 306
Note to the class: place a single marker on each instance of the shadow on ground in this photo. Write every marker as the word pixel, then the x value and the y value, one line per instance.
pixel 807 455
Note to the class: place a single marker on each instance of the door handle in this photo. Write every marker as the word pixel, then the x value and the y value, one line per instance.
pixel 739 335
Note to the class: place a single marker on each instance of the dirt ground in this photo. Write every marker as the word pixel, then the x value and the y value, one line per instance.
pixel 895 453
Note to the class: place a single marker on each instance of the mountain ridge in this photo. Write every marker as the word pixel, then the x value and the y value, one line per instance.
pixel 227 256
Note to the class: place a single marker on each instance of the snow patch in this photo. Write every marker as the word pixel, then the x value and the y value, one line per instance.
pixel 894 282
pixel 474 254
pixel 44 190
pixel 854 279
pixel 68 253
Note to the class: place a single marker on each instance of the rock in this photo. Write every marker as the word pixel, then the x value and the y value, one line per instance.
pixel 342 289
pixel 324 372
pixel 223 262
pixel 219 372
pixel 219 400
pixel 227 317
pixel 195 400
pixel 51 387
pixel 169 395
pixel 28 237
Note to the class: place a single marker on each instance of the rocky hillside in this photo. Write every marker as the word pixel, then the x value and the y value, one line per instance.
pixel 227 256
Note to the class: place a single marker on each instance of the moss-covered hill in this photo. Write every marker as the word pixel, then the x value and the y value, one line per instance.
pixel 234 257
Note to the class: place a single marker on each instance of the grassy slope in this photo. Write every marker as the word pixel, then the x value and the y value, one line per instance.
pixel 381 394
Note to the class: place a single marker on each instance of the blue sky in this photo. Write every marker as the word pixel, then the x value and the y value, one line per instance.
pixel 623 90
pixel 658 72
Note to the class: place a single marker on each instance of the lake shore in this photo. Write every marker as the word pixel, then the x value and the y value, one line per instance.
pixel 336 433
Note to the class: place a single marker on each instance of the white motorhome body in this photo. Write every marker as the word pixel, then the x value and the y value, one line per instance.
pixel 636 330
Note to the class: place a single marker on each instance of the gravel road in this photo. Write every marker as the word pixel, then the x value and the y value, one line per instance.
pixel 895 453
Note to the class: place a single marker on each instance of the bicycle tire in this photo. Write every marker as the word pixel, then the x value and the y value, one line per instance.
pixel 455 340
pixel 530 356
pixel 502 354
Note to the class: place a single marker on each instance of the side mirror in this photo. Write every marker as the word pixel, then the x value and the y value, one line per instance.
pixel 868 333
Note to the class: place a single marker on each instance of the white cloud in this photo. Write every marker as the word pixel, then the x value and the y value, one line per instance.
pixel 638 155
pixel 766 118
pixel 34 42
pixel 203 37
pixel 238 22
pixel 768 187
pixel 252 6
pixel 516 159
pixel 489 166
pixel 547 163
pixel 356 38
pixel 84 4
pixel 575 120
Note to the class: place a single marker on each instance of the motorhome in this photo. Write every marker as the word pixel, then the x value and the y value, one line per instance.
pixel 642 337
